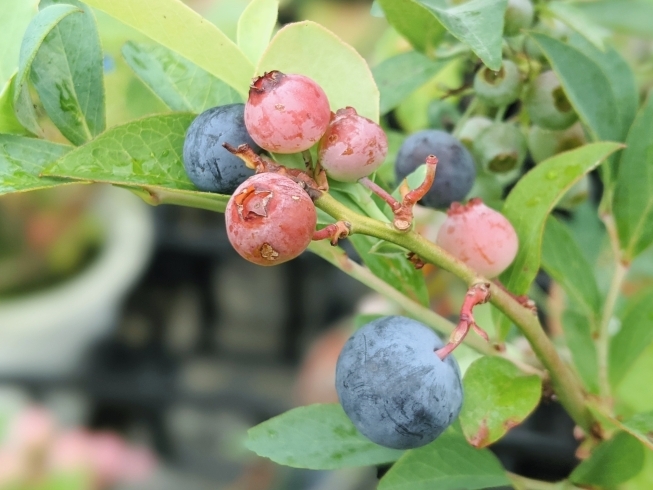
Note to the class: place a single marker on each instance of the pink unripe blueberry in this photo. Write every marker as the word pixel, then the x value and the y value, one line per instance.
pixel 286 113
pixel 479 236
pixel 353 146
pixel 270 219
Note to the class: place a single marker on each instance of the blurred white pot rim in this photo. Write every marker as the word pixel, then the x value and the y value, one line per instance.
pixel 61 320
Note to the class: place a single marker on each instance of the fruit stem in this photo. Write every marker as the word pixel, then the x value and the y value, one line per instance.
pixel 477 294
pixel 568 388
pixel 381 192
pixel 603 334
pixel 334 232
pixel 403 211
pixel 469 110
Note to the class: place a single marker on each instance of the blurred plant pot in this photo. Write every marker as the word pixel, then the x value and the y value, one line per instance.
pixel 45 333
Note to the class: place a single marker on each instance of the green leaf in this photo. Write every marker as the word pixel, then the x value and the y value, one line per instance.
pixel 620 77
pixel 479 24
pixel 182 85
pixel 255 27
pixel 12 28
pixel 578 336
pixel 565 262
pixel 498 396
pixel 634 337
pixel 532 199
pixel 177 27
pixel 339 69
pixel 586 85
pixel 67 74
pixel 579 22
pixel 612 462
pixel 641 426
pixel 448 463
pixel 401 75
pixel 37 31
pixel 143 154
pixel 415 22
pixel 8 121
pixel 22 160
pixel 318 437
pixel 633 197
pixel 627 16
pixel 395 269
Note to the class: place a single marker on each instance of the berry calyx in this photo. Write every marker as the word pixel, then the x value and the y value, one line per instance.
pixel 286 113
pixel 394 387
pixel 500 148
pixel 498 88
pixel 352 147
pixel 547 104
pixel 479 236
pixel 270 219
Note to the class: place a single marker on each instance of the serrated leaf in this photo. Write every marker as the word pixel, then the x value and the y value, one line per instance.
pixel 634 337
pixel 177 27
pixel 448 463
pixel 628 16
pixel 575 19
pixel 401 75
pixel 12 28
pixel 586 86
pixel 578 336
pixel 255 27
pixel 498 396
pixel 565 262
pixel 144 154
pixel 180 84
pixel 341 72
pixel 22 160
pixel 415 22
pixel 479 24
pixel 633 196
pixel 318 437
pixel 532 199
pixel 395 269
pixel 8 122
pixel 612 462
pixel 67 74
pixel 37 30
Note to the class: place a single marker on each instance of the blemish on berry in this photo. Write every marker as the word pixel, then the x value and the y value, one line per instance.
pixel 268 252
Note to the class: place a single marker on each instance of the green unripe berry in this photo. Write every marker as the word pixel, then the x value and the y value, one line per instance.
pixel 547 104
pixel 472 128
pixel 442 115
pixel 519 15
pixel 544 143
pixel 498 88
pixel 500 148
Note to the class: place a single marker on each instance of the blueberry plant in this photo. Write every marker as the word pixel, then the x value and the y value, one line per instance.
pixel 526 121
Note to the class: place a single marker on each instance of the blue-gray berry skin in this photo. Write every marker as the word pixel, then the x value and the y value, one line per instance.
pixel 208 164
pixel 456 171
pixel 392 385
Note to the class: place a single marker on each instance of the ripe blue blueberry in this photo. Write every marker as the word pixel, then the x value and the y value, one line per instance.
pixel 208 164
pixel 393 386
pixel 456 171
